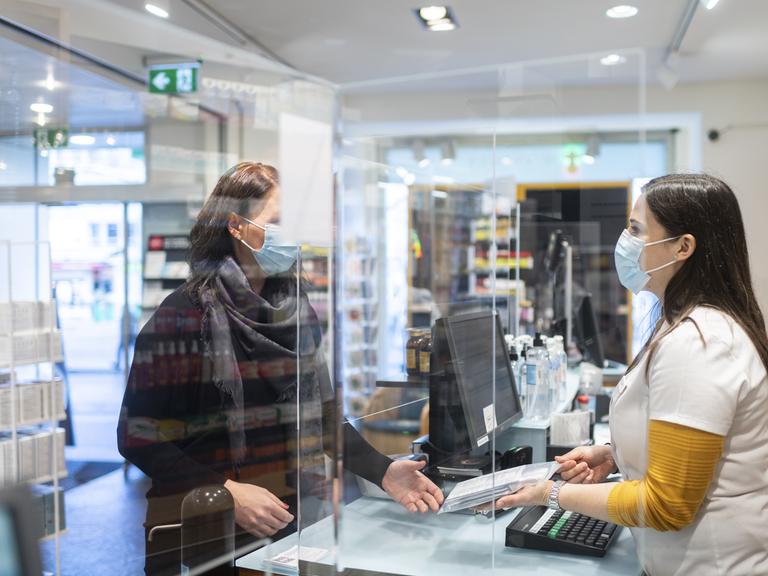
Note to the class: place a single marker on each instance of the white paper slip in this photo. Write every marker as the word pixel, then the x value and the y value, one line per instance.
pixel 483 489
pixel 290 558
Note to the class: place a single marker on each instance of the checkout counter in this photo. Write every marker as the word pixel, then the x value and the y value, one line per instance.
pixel 378 537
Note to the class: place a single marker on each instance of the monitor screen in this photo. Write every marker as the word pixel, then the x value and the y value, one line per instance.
pixel 481 365
pixel 10 555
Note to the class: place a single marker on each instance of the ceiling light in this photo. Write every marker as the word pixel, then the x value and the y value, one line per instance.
pixel 111 141
pixel 709 4
pixel 444 25
pixel 588 160
pixel 41 119
pixel 156 10
pixel 436 18
pixel 506 160
pixel 402 172
pixel 612 60
pixel 429 13
pixel 41 108
pixel 409 179
pixel 82 140
pixel 622 11
pixel 424 162
pixel 3 166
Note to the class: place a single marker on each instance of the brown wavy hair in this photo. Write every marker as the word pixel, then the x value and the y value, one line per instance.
pixel 243 190
pixel 717 274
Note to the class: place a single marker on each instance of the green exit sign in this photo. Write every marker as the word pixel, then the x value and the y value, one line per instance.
pixel 173 79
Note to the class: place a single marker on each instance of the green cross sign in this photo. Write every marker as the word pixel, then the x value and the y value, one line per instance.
pixel 173 79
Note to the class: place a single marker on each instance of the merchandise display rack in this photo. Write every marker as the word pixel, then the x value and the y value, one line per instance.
pixel 31 396
pixel 165 269
pixel 360 325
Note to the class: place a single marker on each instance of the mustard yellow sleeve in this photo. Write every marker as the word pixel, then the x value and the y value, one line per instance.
pixel 681 463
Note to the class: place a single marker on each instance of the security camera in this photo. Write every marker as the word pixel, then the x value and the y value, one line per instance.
pixel 713 135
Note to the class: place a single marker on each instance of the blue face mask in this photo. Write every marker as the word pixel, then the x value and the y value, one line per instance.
pixel 274 256
pixel 627 257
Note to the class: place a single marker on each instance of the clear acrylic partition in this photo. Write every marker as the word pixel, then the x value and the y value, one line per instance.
pixel 125 174
pixel 504 210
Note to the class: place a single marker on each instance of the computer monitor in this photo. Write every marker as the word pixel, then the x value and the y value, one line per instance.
pixel 470 362
pixel 19 553
pixel 587 332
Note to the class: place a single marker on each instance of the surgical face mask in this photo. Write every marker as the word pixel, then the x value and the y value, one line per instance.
pixel 627 256
pixel 274 256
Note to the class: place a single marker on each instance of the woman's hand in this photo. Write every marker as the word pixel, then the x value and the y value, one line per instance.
pixel 258 510
pixel 587 464
pixel 414 491
pixel 534 495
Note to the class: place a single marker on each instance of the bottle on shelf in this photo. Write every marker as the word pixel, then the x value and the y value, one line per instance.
pixel 537 377
pixel 562 366
pixel 514 361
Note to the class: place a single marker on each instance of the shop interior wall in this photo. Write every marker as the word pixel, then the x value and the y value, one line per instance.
pixel 737 157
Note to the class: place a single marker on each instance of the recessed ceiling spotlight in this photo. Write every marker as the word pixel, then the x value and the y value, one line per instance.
pixel 436 18
pixel 623 11
pixel 41 108
pixel 82 140
pixel 3 166
pixel 156 10
pixel 612 60
pixel 444 25
pixel 709 4
pixel 111 141
pixel 429 13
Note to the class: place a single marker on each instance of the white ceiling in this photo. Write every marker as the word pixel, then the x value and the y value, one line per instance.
pixel 346 41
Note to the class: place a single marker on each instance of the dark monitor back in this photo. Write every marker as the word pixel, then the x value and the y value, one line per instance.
pixel 470 362
pixel 587 332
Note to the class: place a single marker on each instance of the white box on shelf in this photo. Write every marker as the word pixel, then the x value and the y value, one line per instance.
pixel 59 440
pixel 6 407
pixel 45 317
pixel 25 315
pixel 6 318
pixel 43 443
pixel 27 456
pixel 53 399
pixel 7 462
pixel 29 403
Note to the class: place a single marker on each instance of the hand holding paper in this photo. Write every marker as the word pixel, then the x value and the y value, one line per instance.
pixel 484 489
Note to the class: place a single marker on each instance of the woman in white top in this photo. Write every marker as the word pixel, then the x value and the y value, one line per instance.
pixel 689 420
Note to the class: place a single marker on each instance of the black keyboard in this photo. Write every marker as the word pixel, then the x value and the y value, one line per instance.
pixel 540 528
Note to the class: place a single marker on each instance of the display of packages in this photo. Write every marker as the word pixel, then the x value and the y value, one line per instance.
pixel 36 402
pixel 30 347
pixel 35 447
pixel 25 316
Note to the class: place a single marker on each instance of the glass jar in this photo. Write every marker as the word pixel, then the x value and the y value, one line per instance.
pixel 424 353
pixel 412 348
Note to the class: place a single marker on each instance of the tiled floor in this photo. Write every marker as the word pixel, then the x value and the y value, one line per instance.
pixel 104 528
pixel 96 399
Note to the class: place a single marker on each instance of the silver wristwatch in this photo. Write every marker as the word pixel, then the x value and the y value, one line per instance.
pixel 553 500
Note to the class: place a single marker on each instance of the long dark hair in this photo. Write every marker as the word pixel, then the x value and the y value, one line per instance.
pixel 717 273
pixel 240 190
